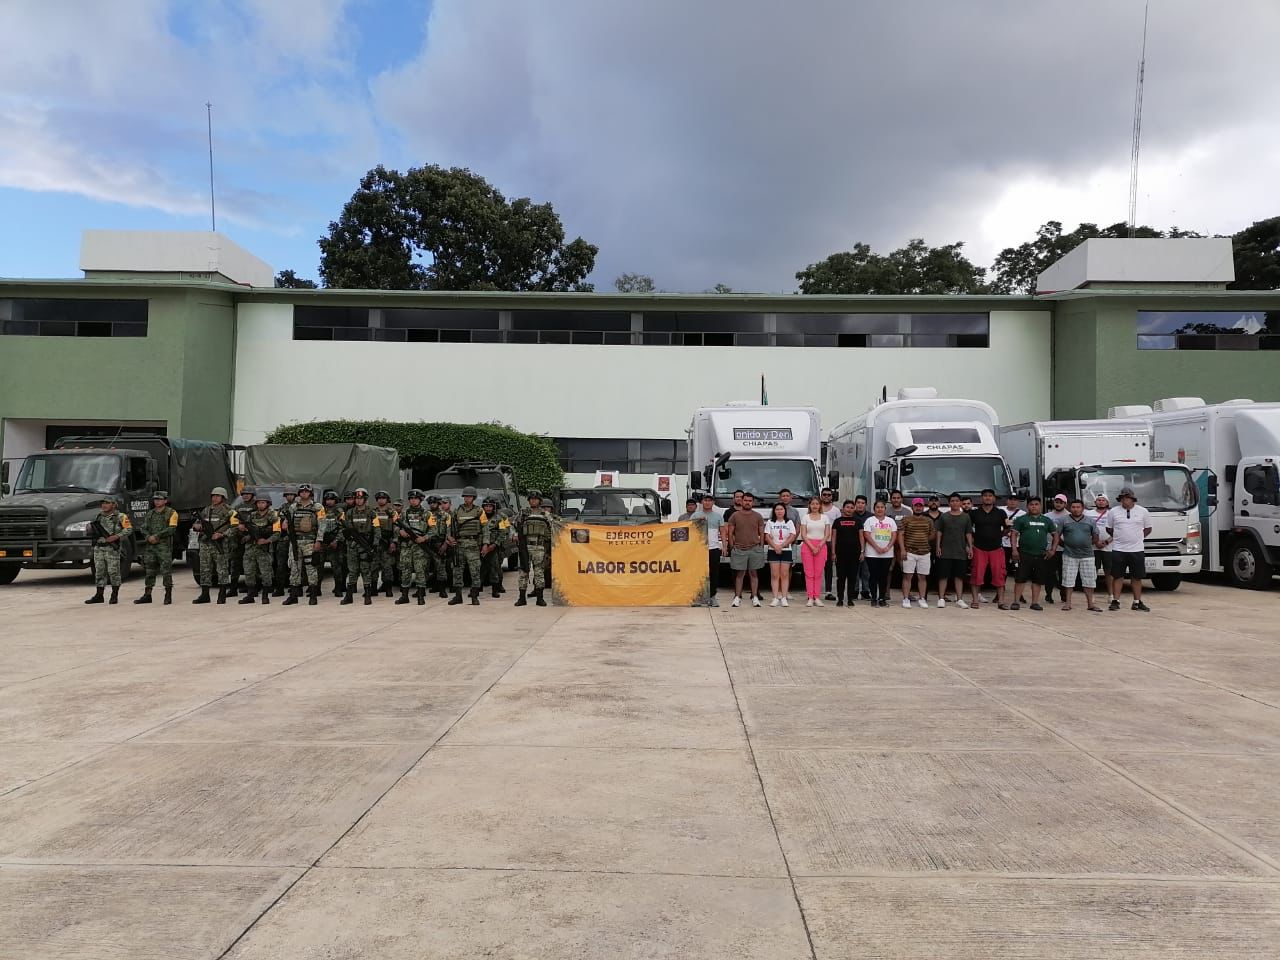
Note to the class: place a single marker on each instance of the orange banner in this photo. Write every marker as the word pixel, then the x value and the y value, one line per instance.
pixel 647 565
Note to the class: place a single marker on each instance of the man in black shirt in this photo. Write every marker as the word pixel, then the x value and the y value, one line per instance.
pixel 989 524
pixel 736 505
pixel 846 552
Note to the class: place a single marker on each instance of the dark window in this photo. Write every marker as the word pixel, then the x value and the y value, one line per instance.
pixel 486 336
pixel 306 316
pixel 580 320
pixel 522 336
pixel 554 336
pixel 412 318
pixel 1261 483
pixel 1206 329
pixel 422 336
pixel 617 339
pixel 73 318
pixel 389 336
pixel 586 455
pixel 455 336
pixel 313 333
pixel 656 339
pixel 752 339
pixel 352 333
pixel 718 339
pixel 137 473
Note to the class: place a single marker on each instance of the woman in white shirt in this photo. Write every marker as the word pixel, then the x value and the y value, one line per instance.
pixel 779 534
pixel 879 543
pixel 815 532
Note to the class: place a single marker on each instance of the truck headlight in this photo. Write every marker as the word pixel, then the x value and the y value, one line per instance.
pixel 80 529
pixel 1193 538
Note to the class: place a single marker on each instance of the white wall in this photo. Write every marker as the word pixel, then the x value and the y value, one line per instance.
pixel 608 391
pixel 23 436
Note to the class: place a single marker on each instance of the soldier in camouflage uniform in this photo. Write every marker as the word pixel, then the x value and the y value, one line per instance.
pixel 493 546
pixel 437 566
pixel 413 548
pixel 362 530
pixel 304 520
pixel 536 533
pixel 157 530
pixel 466 531
pixel 283 551
pixel 217 526
pixel 262 531
pixel 330 545
pixel 112 527
pixel 385 561
pixel 237 544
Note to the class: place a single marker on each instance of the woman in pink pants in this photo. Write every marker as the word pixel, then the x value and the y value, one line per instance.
pixel 815 531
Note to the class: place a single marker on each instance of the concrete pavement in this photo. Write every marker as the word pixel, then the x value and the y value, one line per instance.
pixel 405 782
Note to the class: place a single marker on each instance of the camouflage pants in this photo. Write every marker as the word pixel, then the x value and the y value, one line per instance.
pixel 491 563
pixel 337 558
pixel 537 568
pixel 440 572
pixel 157 559
pixel 259 566
pixel 413 565
pixel 359 564
pixel 467 554
pixel 283 560
pixel 387 563
pixel 304 564
pixel 106 566
pixel 215 566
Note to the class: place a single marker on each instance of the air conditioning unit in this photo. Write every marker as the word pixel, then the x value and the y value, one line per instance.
pixel 1131 410
pixel 917 393
pixel 1178 403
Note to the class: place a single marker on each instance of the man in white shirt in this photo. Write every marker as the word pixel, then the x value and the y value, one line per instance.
pixel 1102 553
pixel 714 520
pixel 1059 515
pixel 1013 510
pixel 831 512
pixel 1128 526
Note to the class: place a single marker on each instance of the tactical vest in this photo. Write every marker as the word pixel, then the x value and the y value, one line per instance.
pixel 156 522
pixel 212 518
pixel 243 510
pixel 305 518
pixel 416 519
pixel 470 522
pixel 360 519
pixel 259 525
pixel 112 522
pixel 537 526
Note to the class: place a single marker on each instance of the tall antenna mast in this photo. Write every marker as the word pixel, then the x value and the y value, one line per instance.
pixel 213 211
pixel 1137 126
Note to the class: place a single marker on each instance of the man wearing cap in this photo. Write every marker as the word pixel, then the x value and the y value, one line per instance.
pixel 216 525
pixel 411 530
pixel 1013 510
pixel 714 520
pixel 385 562
pixel 262 531
pixel 690 507
pixel 497 531
pixel 1053 564
pixel 1102 551
pixel 301 525
pixel 535 528
pixel 362 530
pixel 109 527
pixel 1128 525
pixel 238 543
pixel 466 530
pixel 283 549
pixel 157 530
pixel 916 539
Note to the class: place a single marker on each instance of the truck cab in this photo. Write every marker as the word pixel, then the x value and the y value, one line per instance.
pixel 611 506
pixel 757 448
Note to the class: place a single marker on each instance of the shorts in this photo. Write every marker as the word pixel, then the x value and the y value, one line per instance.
pixel 1102 560
pixel 951 568
pixel 1084 566
pixel 1131 565
pixel 916 563
pixel 780 556
pixel 752 559
pixel 1032 567
pixel 982 559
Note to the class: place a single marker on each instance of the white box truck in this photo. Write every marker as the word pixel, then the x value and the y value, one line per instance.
pixel 758 448
pixel 919 444
pixel 1233 448
pixel 1085 458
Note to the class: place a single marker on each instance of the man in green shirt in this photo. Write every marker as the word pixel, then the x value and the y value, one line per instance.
pixel 1035 540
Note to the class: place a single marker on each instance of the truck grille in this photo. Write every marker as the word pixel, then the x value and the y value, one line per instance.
pixel 23 525
pixel 1162 548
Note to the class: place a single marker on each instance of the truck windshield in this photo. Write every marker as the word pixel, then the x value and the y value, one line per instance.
pixel 968 476
pixel 765 478
pixel 69 473
pixel 609 503
pixel 1157 488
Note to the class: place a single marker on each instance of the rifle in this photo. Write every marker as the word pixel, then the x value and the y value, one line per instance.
pixel 360 538
pixel 100 533
pixel 413 534
pixel 205 533
pixel 286 520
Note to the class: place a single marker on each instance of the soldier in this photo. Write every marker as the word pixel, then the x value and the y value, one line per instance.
pixel 436 547
pixel 262 531
pixel 412 530
pixel 497 533
pixel 330 546
pixel 283 549
pixel 385 560
pixel 216 524
pixel 237 544
pixel 157 531
pixel 466 530
pixel 109 527
pixel 362 530
pixel 302 524
pixel 536 532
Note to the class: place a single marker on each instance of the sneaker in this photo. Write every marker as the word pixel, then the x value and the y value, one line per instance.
pixel 986 599
pixel 1036 606
pixel 829 596
pixel 713 602
pixel 1141 606
pixel 942 603
pixel 840 603
pixel 818 602
pixel 1113 605
pixel 1015 605
pixel 784 602
pixel 883 603
pixel 755 602
pixel 737 602
pixel 961 603
pixel 775 601
pixel 924 604
pixel 809 602
pixel 906 604
pixel 865 595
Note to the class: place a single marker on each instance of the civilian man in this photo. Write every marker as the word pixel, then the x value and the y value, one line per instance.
pixel 915 551
pixel 1102 553
pixel 1053 571
pixel 714 520
pixel 743 536
pixel 1078 535
pixel 954 547
pixel 989 525
pixel 690 506
pixel 1035 538
pixel 846 549
pixel 1128 525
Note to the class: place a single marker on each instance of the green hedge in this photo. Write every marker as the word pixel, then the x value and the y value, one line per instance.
pixel 535 459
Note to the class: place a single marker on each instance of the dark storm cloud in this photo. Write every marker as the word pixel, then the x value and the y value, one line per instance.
pixel 737 141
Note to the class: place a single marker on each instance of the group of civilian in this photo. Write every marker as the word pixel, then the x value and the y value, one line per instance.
pixel 849 553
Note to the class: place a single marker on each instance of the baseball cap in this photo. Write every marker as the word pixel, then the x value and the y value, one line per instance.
pixel 1060 496
pixel 1128 492
pixel 917 502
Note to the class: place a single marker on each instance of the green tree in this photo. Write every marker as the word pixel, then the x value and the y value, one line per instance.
pixel 432 228
pixel 722 288
pixel 916 268
pixel 287 278
pixel 1256 250
pixel 633 283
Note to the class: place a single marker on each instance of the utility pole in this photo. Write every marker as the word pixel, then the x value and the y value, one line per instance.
pixel 213 211
pixel 1137 126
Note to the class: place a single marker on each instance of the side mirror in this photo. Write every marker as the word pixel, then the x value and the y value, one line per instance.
pixel 1211 484
pixel 833 479
pixel 1211 500
pixel 882 493
pixel 724 473
pixel 1024 492
pixel 666 506
pixel 1024 478
pixel 695 479
pixel 879 480
pixel 906 469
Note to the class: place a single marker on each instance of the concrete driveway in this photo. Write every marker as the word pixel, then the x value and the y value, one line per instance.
pixel 451 782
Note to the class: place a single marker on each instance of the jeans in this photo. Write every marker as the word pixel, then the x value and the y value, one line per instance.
pixel 814 563
pixel 878 568
pixel 713 570
pixel 847 570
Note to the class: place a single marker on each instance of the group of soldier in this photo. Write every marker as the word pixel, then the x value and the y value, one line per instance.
pixel 422 546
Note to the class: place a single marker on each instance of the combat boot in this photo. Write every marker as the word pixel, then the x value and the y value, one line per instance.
pixel 278 592
pixel 313 596
pixel 475 596
pixel 388 588
pixel 168 596
pixel 539 601
pixel 522 600
pixel 404 596
pixel 233 588
pixel 293 597
pixel 368 596
pixel 222 595
pixel 115 595
pixel 346 599
pixel 496 592
pixel 337 590
pixel 457 598
pixel 247 598
pixel 97 595
pixel 421 595
pixel 146 596
pixel 204 596
pixel 266 595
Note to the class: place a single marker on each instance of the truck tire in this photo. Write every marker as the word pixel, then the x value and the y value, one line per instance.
pixel 9 573
pixel 1165 581
pixel 1247 565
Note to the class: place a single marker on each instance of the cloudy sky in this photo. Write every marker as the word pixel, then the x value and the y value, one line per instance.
pixel 719 141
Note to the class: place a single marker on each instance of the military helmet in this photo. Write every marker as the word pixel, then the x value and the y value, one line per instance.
pixel 304 488
pixel 432 500
pixel 468 491
pixel 160 495
pixel 262 498
pixel 330 495
pixel 247 491
pixel 219 492
pixel 382 495
pixel 349 495
pixel 415 492
pixel 490 502
pixel 360 492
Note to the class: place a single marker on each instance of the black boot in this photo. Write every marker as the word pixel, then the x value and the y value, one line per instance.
pixel 204 596
pixel 278 592
pixel 388 588
pixel 457 598
pixel 346 598
pixel 495 592
pixel 404 596
pixel 421 595
pixel 233 588
pixel 522 600
pixel 292 599
pixel 222 595
pixel 249 596
pixel 368 596
pixel 313 596
pixel 146 596
pixel 539 601
pixel 168 596
pixel 115 595
pixel 337 590
pixel 475 596
pixel 97 595
pixel 266 595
